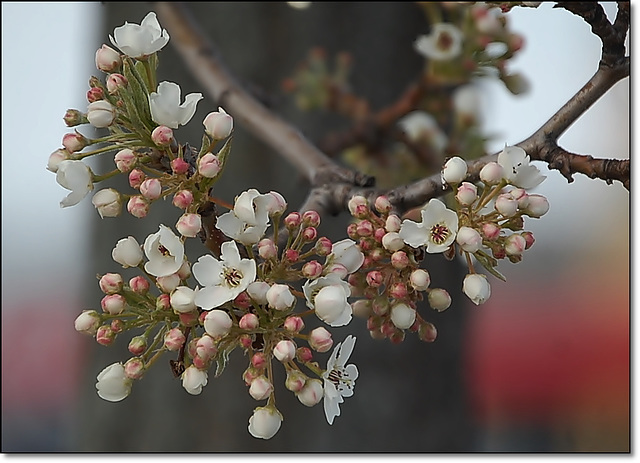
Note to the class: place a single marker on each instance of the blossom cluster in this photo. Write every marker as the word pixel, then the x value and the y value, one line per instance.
pixel 271 287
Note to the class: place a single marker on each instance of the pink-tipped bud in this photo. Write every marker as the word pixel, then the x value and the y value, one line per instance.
pixel 295 380
pixel 73 117
pixel 168 283
pixel 358 206
pixel 260 388
pixel 136 177
pixel 162 136
pixel 506 205
pixel 250 374
pixel 189 225
pixel 378 234
pixel 113 304
pixel 352 231
pixel 469 239
pixel 111 283
pixel 515 245
pixel 399 260
pixel 380 305
pixel 312 270
pixel 101 114
pixel 174 339
pixel 392 242
pixel 179 166
pixel 218 124
pixel 217 323
pixel 293 324
pixel 138 206
pixel 267 249
pixel 125 159
pixel 115 82
pixel 292 255
pixel 311 218
pixel 285 350
pixel 383 205
pixel 292 220
pixel 209 165
pixel 134 368
pixel 151 188
pixel 439 299
pixel 537 206
pixel 375 278
pixel 427 332
pixel 242 301
pixel 56 158
pixel 259 360
pixel 189 318
pixel 137 345
pixel 181 297
pixel 163 302
pixel 108 59
pixel 87 322
pixel 420 279
pixel 311 393
pixel 309 234
pixel 74 142
pixel 467 193
pixel 95 94
pixel 398 290
pixel 182 199
pixel 320 340
pixel 393 223
pixel 245 341
pixel 529 239
pixel 304 354
pixel 105 335
pixel 403 316
pixel 249 322
pixel 491 173
pixel 139 284
pixel 206 348
pixel 323 246
pixel 107 202
pixel 117 326
pixel 490 231
pixel 364 228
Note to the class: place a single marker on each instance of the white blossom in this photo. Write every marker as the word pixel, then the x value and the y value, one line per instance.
pixel 224 279
pixel 280 297
pixel 249 219
pixel 516 168
pixel 127 252
pixel 328 297
pixel 194 379
pixel 166 108
pixel 311 393
pixel 140 40
pixel 107 202
pixel 265 422
pixel 454 170
pixel 165 252
pixel 113 385
pixel 437 229
pixel 476 287
pixel 182 299
pixel 339 378
pixel 346 252
pixel 77 177
pixel 403 316
pixel 217 323
pixel 443 43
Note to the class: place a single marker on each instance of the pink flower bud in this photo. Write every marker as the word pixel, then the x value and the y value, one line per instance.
pixel 361 308
pixel 209 165
pixel 309 234
pixel 174 339
pixel 113 304
pixel 111 283
pixel 151 188
pixel 311 218
pixel 279 297
pixel 101 114
pixel 134 368
pixel 403 316
pixel 168 283
pixel 138 206
pixel 383 205
pixel 515 245
pixel 469 239
pixel 320 339
pixel 242 301
pixel 189 225
pixel 249 322
pixel 506 205
pixel 399 260
pixel 125 160
pixel 74 142
pixel 95 94
pixel 491 173
pixel 182 199
pixel 304 354
pixel 137 345
pixel 439 299
pixel 529 239
pixel 427 332
pixel 115 82
pixel 323 246
pixel 295 380
pixel 107 59
pixel 107 202
pixel 162 136
pixel 136 177
pixel 56 158
pixel 393 223
pixel 537 207
pixel 245 341
pixel 182 298
pixel 163 302
pixel 292 255
pixel 276 204
pixel 292 220
pixel 105 335
pixel 73 117
pixel 375 278
pixel 218 124
pixel 139 285
pixel 206 348
pixel 358 206
pixel 260 388
pixel 398 290
pixel 267 249
pixel 420 279
pixel 189 318
pixel 250 374
pixel 454 170
pixel 217 323
pixel 490 231
pixel 311 393
pixel 352 231
pixel 467 193
pixel 259 360
pixel 293 324
pixel 312 269
pixel 87 322
pixel 285 350
pixel 117 326
pixel 364 228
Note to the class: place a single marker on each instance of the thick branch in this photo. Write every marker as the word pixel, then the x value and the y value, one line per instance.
pixel 199 55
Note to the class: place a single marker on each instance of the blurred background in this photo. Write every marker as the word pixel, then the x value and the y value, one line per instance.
pixel 543 366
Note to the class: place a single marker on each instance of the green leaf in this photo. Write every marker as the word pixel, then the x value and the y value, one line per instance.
pixel 222 360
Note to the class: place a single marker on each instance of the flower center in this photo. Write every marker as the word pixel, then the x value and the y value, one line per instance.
pixel 445 41
pixel 164 251
pixel 335 376
pixel 232 277
pixel 439 233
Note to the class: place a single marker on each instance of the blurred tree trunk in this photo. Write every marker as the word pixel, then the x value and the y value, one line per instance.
pixel 410 397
